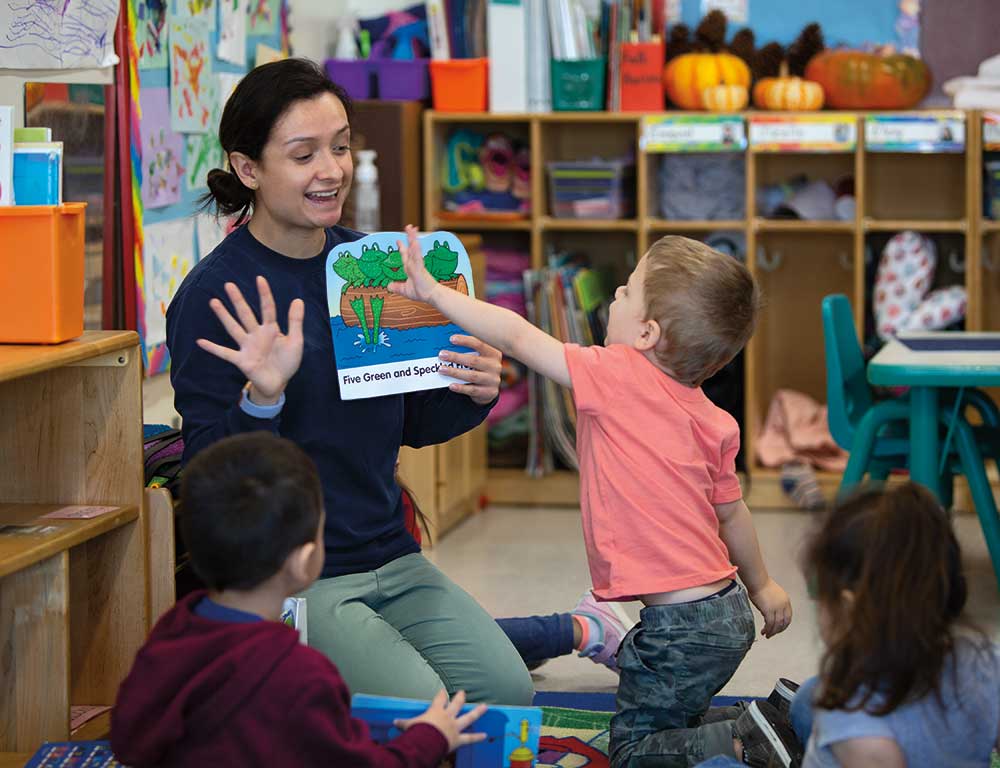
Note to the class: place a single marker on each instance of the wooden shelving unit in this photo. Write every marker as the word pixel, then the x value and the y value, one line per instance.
pixel 74 594
pixel 797 262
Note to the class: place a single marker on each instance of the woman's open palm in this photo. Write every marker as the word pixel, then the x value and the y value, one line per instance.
pixel 266 356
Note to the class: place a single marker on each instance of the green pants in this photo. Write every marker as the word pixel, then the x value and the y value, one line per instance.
pixel 408 630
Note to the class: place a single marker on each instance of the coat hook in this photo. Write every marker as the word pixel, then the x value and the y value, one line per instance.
pixel 845 261
pixel 768 263
pixel 987 261
pixel 956 262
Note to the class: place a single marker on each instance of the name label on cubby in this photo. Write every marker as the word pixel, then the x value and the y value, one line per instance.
pixel 803 133
pixel 915 133
pixel 693 133
pixel 991 130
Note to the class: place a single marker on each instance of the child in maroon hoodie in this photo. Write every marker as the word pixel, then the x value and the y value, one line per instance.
pixel 221 681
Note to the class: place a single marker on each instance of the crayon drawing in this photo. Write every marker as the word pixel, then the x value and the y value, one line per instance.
pixel 162 151
pixel 192 88
pixel 168 255
pixel 202 11
pixel 263 17
pixel 57 34
pixel 151 33
pixel 233 31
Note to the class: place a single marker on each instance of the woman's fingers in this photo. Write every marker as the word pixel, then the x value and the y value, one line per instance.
pixel 268 314
pixel 233 328
pixel 225 353
pixel 243 311
pixel 296 314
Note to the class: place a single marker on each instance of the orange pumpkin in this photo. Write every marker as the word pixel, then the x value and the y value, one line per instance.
pixel 725 98
pixel 859 80
pixel 687 76
pixel 787 93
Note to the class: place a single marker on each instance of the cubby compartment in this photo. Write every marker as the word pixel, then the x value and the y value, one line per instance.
pixel 482 177
pixel 795 271
pixel 564 141
pixel 815 187
pixel 989 281
pixel 915 187
pixel 703 188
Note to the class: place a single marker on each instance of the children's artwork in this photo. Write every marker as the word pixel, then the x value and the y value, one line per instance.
pixel 192 89
pixel 151 33
pixel 266 54
pixel 73 754
pixel 233 31
pixel 512 739
pixel 201 11
pixel 167 257
pixel 262 16
pixel 211 231
pixel 162 151
pixel 57 34
pixel 203 154
pixel 226 85
pixel 385 343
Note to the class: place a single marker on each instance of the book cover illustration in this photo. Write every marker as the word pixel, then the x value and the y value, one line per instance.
pixel 74 754
pixel 293 614
pixel 384 343
pixel 512 733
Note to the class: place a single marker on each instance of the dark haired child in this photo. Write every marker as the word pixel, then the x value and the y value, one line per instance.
pixel 664 520
pixel 901 682
pixel 221 681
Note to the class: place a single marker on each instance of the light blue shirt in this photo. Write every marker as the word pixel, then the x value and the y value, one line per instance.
pixel 959 734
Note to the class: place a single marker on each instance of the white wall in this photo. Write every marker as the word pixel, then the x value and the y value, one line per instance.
pixel 313 22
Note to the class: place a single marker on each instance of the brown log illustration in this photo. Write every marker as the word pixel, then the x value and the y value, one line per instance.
pixel 397 312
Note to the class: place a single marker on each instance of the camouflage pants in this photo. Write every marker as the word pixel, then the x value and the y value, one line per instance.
pixel 672 663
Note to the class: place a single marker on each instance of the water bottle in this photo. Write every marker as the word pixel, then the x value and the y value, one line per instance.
pixel 366 198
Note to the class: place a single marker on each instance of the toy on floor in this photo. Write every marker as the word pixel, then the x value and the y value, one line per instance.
pixel 904 300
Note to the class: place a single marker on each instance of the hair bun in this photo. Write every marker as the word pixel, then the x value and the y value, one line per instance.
pixel 230 194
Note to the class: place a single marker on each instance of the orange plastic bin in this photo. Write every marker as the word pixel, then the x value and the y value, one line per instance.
pixel 460 85
pixel 41 263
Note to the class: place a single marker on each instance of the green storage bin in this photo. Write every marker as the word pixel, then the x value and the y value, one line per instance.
pixel 578 85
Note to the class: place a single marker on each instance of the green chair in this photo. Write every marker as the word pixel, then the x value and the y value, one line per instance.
pixel 877 432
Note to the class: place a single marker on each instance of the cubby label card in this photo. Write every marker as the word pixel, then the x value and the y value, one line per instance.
pixel 803 133
pixel 940 132
pixel 693 133
pixel 991 130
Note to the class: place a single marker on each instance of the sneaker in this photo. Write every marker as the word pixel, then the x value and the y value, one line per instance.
pixel 767 737
pixel 782 695
pixel 798 481
pixel 613 623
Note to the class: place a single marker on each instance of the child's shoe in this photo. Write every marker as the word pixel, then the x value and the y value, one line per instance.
pixel 521 185
pixel 798 480
pixel 497 159
pixel 782 695
pixel 767 737
pixel 607 626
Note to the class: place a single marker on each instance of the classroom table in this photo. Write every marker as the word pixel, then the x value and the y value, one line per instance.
pixel 928 362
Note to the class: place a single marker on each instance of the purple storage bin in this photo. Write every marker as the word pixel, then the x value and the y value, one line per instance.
pixel 355 77
pixel 403 80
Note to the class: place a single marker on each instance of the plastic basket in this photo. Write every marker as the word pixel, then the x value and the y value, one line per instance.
pixel 596 189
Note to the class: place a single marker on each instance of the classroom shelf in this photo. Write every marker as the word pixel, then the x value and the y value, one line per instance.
pixel 677 225
pixel 480 225
pixel 588 225
pixel 920 225
pixel 796 225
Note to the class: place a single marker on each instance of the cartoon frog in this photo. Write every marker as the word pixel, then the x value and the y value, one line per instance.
pixel 371 263
pixel 441 262
pixel 346 267
pixel 392 268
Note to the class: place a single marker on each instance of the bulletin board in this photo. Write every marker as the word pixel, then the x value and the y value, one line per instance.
pixel 185 58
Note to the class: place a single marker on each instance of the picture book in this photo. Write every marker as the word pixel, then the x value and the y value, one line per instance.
pixel 386 344
pixel 74 754
pixel 293 613
pixel 512 733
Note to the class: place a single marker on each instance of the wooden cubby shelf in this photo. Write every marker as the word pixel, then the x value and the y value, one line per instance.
pixel 797 262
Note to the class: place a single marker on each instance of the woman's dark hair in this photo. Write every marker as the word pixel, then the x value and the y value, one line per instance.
pixel 897 554
pixel 246 503
pixel 260 99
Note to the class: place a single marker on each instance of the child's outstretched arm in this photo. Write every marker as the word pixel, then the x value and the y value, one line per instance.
pixel 498 327
pixel 737 532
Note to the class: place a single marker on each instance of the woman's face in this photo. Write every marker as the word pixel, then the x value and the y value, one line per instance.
pixel 305 170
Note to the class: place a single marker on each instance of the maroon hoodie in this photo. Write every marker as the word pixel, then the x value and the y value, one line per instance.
pixel 215 693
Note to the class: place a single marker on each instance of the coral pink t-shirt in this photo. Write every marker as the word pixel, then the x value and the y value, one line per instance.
pixel 655 457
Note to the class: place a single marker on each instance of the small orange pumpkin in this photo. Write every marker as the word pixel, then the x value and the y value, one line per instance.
pixel 725 98
pixel 787 93
pixel 687 76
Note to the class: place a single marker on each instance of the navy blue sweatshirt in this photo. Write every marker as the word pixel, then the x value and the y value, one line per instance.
pixel 354 443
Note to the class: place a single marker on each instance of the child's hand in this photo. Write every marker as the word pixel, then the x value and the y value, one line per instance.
pixel 443 715
pixel 419 284
pixel 773 603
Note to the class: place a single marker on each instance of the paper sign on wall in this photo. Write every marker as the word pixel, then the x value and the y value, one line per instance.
pixel 386 344
pixel 736 11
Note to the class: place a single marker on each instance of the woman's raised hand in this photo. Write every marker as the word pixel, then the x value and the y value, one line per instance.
pixel 266 356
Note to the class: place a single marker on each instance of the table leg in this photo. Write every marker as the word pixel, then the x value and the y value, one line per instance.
pixel 924 443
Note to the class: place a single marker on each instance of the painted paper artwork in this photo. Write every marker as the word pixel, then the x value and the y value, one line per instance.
pixel 202 11
pixel 233 31
pixel 227 83
pixel 211 232
pixel 162 151
pixel 192 89
pixel 151 33
pixel 168 255
pixel 57 34
pixel 263 17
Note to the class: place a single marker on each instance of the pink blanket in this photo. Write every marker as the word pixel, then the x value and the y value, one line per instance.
pixel 796 430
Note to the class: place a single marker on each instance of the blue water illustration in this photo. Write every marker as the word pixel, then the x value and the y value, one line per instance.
pixel 395 345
